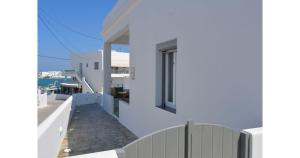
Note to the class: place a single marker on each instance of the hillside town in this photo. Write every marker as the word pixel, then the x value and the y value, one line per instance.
pixel 51 74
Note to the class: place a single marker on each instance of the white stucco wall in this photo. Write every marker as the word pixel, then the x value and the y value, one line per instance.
pixel 52 131
pixel 95 77
pixel 86 98
pixel 102 154
pixel 256 142
pixel 108 102
pixel 42 99
pixel 219 62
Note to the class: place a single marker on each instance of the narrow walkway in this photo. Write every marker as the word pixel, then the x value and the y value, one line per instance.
pixel 92 130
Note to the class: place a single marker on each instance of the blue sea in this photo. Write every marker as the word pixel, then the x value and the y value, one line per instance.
pixel 44 82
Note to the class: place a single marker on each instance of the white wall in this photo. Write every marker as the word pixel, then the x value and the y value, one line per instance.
pixel 256 142
pixel 93 77
pixel 108 102
pixel 102 154
pixel 42 99
pixel 52 131
pixel 219 62
pixel 61 96
pixel 86 98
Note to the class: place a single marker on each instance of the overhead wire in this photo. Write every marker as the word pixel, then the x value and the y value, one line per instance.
pixel 46 22
pixel 51 57
pixel 69 28
pixel 57 38
pixel 59 33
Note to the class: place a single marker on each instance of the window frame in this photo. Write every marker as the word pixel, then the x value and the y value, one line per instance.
pixel 161 81
pixel 96 67
pixel 169 79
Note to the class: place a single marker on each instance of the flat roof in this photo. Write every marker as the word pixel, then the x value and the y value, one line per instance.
pixel 119 75
pixel 70 84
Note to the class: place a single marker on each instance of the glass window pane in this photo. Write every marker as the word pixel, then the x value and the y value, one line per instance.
pixel 170 77
pixel 96 65
pixel 163 77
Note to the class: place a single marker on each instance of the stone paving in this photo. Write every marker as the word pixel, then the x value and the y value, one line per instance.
pixel 93 130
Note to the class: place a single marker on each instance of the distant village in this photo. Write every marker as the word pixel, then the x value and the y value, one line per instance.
pixel 51 74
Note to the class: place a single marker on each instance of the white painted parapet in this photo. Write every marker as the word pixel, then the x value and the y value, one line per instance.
pixel 61 97
pixel 103 154
pixel 42 99
pixel 255 142
pixel 52 131
pixel 86 98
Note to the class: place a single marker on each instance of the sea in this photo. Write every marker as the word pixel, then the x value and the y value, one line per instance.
pixel 44 82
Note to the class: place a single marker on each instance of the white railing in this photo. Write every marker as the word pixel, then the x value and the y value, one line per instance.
pixel 86 87
pixel 78 76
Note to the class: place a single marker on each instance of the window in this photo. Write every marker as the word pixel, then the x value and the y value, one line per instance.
pixel 96 65
pixel 166 76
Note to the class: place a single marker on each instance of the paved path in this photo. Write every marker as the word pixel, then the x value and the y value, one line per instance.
pixel 93 130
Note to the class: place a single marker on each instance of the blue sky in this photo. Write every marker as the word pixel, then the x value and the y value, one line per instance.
pixel 84 16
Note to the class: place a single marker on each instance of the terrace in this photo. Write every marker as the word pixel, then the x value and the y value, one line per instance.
pixel 53 102
pixel 92 130
pixel 81 128
pixel 80 124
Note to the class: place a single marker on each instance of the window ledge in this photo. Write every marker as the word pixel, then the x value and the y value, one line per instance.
pixel 166 108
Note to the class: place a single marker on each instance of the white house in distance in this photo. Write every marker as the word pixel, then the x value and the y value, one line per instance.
pixel 88 66
pixel 197 60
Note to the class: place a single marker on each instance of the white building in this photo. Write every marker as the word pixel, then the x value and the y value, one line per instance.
pixel 50 74
pixel 189 60
pixel 89 66
pixel 197 60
